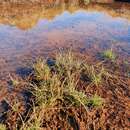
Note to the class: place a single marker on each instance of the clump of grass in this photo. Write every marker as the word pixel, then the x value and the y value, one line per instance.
pixel 35 121
pixel 57 87
pixel 60 81
pixel 2 127
pixel 66 61
pixel 96 101
pixel 15 112
pixel 41 70
pixel 14 82
pixel 48 91
pixel 95 76
pixel 109 54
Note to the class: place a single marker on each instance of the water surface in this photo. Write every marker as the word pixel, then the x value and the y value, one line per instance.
pixel 37 30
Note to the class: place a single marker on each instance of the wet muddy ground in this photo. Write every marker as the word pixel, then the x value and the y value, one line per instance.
pixel 31 31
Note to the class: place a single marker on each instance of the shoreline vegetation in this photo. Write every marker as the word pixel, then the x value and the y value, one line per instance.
pixel 65 91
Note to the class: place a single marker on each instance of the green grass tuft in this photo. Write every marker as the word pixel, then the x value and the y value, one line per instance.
pixel 66 61
pixel 109 54
pixel 95 77
pixel 61 82
pixel 96 101
pixel 41 70
pixel 14 82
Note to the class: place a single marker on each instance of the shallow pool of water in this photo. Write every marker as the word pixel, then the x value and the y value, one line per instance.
pixel 29 31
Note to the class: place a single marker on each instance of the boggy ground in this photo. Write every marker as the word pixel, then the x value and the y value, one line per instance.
pixel 69 90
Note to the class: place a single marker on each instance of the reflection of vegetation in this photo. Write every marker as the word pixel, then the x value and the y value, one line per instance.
pixel 26 16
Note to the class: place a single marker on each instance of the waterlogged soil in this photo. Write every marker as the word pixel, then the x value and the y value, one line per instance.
pixel 31 31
